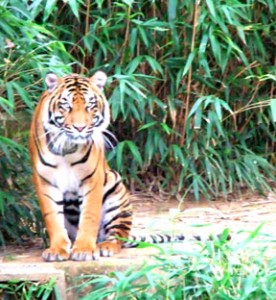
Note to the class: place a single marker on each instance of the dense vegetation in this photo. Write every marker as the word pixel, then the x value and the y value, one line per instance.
pixel 27 290
pixel 191 89
pixel 242 269
pixel 214 270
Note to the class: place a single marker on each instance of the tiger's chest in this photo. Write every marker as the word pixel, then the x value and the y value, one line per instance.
pixel 66 172
pixel 66 177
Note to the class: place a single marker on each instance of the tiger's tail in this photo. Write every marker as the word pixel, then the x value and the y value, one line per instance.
pixel 133 241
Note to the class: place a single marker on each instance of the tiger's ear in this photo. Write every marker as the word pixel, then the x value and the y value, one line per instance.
pixel 99 79
pixel 51 81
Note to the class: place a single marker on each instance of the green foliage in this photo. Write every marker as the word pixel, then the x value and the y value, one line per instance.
pixel 15 203
pixel 26 290
pixel 214 270
pixel 28 52
pixel 191 89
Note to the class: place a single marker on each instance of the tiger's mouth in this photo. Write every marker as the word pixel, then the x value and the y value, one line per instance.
pixel 74 138
pixel 79 134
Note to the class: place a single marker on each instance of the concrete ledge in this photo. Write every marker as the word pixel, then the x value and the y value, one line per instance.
pixel 28 265
pixel 36 272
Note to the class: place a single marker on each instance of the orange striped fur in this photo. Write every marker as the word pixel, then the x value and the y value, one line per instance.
pixel 84 203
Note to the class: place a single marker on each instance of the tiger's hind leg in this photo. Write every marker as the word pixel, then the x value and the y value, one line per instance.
pixel 116 219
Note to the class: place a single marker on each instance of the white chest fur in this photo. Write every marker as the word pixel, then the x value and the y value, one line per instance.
pixel 66 177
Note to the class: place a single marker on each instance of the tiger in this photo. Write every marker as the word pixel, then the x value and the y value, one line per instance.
pixel 84 203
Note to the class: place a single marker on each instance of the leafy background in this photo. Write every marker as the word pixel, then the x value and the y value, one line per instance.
pixel 191 89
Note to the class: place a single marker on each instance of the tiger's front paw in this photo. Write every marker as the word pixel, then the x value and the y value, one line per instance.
pixel 55 254
pixel 82 252
pixel 109 248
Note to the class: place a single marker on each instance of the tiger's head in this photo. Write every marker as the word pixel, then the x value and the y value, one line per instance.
pixel 77 111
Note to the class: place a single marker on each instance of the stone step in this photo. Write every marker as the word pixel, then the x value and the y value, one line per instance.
pixel 30 266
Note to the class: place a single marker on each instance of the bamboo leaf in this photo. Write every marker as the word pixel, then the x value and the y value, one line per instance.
pixel 211 8
pixel 166 128
pixel 172 7
pixel 119 155
pixel 218 108
pixel 196 106
pixel 143 36
pixel 135 152
pixel 156 67
pixel 148 125
pixel 7 105
pixel 189 62
pixel 122 87
pixel 133 65
pixel 49 7
pixel 273 109
pixel 198 119
pixel 75 7
pixel 178 153
pixel 216 47
pixel 115 103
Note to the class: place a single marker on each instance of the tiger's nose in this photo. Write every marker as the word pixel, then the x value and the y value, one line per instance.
pixel 79 128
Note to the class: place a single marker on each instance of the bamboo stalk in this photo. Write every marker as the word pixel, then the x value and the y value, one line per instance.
pixel 248 104
pixel 123 49
pixel 186 105
pixel 87 23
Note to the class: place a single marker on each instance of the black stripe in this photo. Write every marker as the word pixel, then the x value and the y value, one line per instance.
pixel 47 181
pixel 51 121
pixel 49 114
pixel 73 222
pixel 133 237
pixel 53 212
pixel 120 226
pixel 71 86
pixel 87 193
pixel 154 240
pixel 122 205
pixel 87 177
pixel 100 123
pixel 72 207
pixel 103 110
pixel 161 237
pixel 61 202
pixel 197 237
pixel 72 217
pixel 168 237
pixel 44 162
pixel 90 175
pixel 111 191
pixel 84 158
pixel 105 179
pixel 180 237
pixel 124 214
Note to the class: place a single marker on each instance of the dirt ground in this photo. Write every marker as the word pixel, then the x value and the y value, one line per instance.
pixel 242 213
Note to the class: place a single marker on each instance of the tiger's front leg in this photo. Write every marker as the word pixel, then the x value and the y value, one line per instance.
pixel 84 247
pixel 51 203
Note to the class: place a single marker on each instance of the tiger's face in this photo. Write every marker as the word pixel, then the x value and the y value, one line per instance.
pixel 77 111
